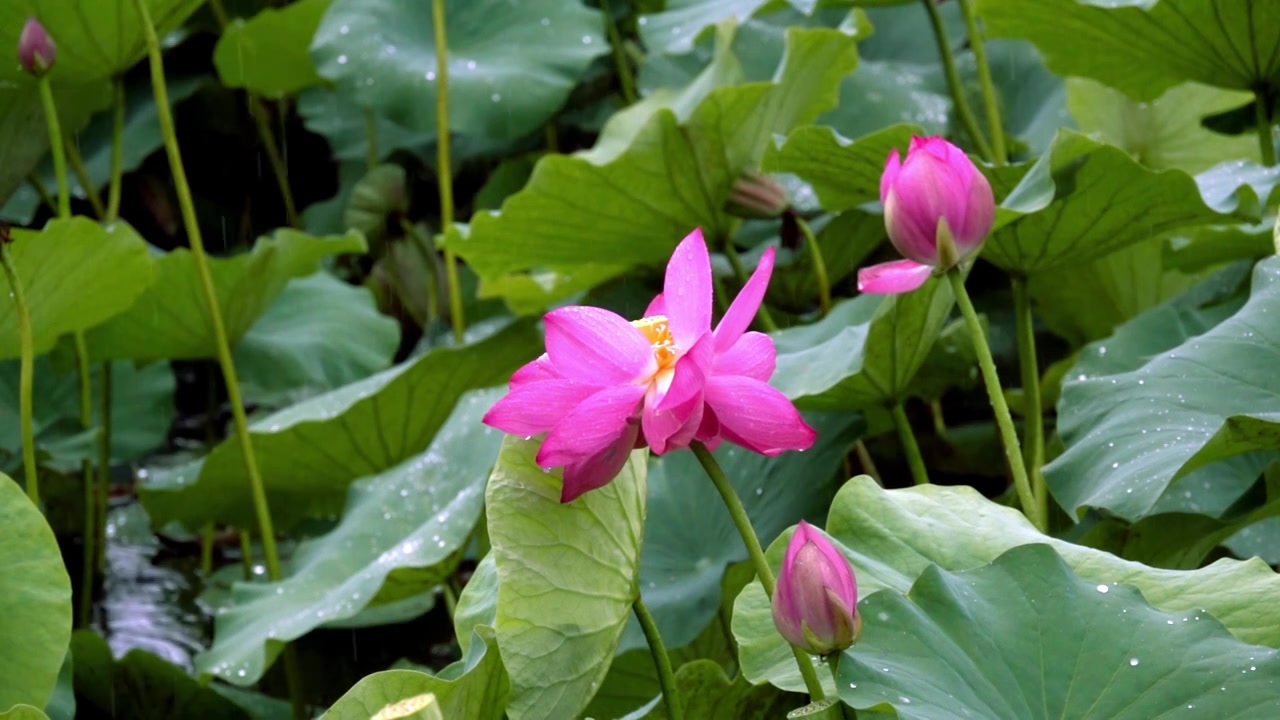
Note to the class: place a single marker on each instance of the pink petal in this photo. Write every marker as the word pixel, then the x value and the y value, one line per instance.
pixel 892 165
pixel 599 469
pixel 593 425
pixel 756 416
pixel 658 306
pixel 753 356
pixel 687 290
pixel 534 408
pixel 679 410
pixel 892 278
pixel 535 371
pixel 596 347
pixel 743 310
pixel 709 429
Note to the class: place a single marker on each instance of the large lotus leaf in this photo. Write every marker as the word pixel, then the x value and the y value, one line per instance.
pixel 310 453
pixel 682 22
pixel 566 577
pixel 170 320
pixel 891 536
pixel 1024 637
pixel 96 40
pixel 319 334
pixel 270 53
pixel 844 173
pixel 61 269
pixel 1144 47
pixel 510 66
pixel 1144 408
pixel 1166 132
pixel 35 601
pixel 142 410
pixel 397 535
pixel 865 352
pixel 344 125
pixel 672 177
pixel 479 693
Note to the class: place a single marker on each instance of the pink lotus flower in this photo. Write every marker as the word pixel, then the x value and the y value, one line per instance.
pixel 938 210
pixel 606 386
pixel 816 601
pixel 36 51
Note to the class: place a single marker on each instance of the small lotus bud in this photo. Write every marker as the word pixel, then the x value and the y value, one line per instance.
pixel 937 184
pixel 36 51
pixel 757 196
pixel 816 601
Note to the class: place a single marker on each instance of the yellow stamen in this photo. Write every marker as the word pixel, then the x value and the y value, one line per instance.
pixel 658 331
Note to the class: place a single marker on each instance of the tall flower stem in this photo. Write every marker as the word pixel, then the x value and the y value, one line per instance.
pixel 865 460
pixel 819 265
pixel 743 523
pixel 953 81
pixel 444 169
pixel 117 152
pixel 55 146
pixel 990 99
pixel 82 175
pixel 26 367
pixel 1033 423
pixel 1266 136
pixel 666 678
pixel 626 79
pixel 112 212
pixel 911 448
pixel 1009 436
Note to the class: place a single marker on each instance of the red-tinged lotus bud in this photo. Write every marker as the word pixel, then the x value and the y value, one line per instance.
pixel 816 601
pixel 36 51
pixel 757 196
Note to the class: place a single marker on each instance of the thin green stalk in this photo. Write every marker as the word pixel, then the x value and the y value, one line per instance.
pixel 86 478
pixel 953 81
pixel 450 598
pixel 25 372
pixel 55 146
pixel 867 463
pixel 246 554
pixel 43 192
pixel 1009 436
pixel 372 156
pixel 278 167
pixel 117 152
pixel 444 170
pixel 626 79
pixel 743 523
pixel 86 182
pixel 104 462
pixel 910 447
pixel 666 678
pixel 819 265
pixel 207 538
pixel 165 116
pixel 939 419
pixel 1033 422
pixel 989 97
pixel 1266 136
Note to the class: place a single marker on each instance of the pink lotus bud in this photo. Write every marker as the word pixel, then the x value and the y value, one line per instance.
pixel 757 196
pixel 815 604
pixel 937 207
pixel 36 51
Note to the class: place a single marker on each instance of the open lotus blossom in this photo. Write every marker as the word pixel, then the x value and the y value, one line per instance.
pixel 938 209
pixel 606 386
pixel 815 605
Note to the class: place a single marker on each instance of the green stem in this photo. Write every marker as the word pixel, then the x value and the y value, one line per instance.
pixel 1009 437
pixel 43 192
pixel 117 152
pixel 104 462
pixel 207 538
pixel 867 463
pixel 743 523
pixel 444 170
pixel 910 447
pixel 55 146
pixel 1266 137
pixel 819 265
pixel 165 116
pixel 372 156
pixel 666 678
pixel 990 99
pixel 278 167
pixel 86 182
pixel 246 554
pixel 86 479
pixel 25 372
pixel 953 81
pixel 626 79
pixel 450 598
pixel 939 419
pixel 1033 422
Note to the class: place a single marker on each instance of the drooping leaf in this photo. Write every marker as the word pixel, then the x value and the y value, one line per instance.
pixel 270 53
pixel 510 66
pixel 549 557
pixel 1144 47
pixel 35 601
pixel 169 320
pixel 1144 408
pixel 891 536
pixel 480 692
pixel 399 535
pixel 310 452
pixel 1084 650
pixel 319 334
pixel 60 269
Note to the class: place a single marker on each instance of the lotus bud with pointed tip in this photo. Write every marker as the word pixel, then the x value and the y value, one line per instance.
pixel 816 601
pixel 36 51
pixel 757 196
